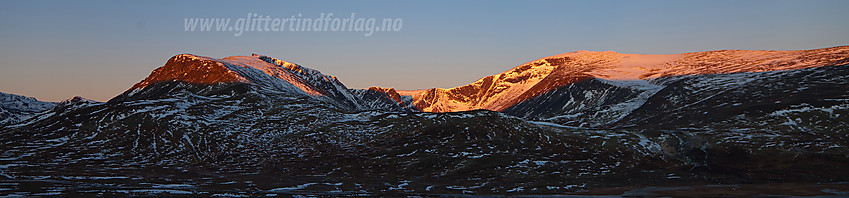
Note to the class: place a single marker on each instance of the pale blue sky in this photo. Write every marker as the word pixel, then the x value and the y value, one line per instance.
pixel 54 50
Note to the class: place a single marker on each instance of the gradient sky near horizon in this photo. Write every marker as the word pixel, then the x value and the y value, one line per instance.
pixel 54 50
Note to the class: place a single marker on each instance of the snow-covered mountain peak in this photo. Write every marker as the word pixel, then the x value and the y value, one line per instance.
pixel 78 99
pixel 17 108
pixel 500 91
pixel 611 65
pixel 256 69
pixel 74 103
pixel 260 70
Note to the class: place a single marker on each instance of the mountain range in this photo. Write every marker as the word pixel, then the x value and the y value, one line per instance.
pixel 592 89
pixel 570 123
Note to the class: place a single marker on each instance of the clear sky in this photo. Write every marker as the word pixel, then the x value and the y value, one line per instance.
pixel 54 50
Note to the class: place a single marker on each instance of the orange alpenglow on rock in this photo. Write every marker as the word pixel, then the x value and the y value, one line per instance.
pixel 501 91
pixel 191 69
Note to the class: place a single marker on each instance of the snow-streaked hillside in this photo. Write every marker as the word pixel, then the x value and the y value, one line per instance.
pixel 17 108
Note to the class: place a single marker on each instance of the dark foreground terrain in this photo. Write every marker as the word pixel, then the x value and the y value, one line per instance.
pixel 234 139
